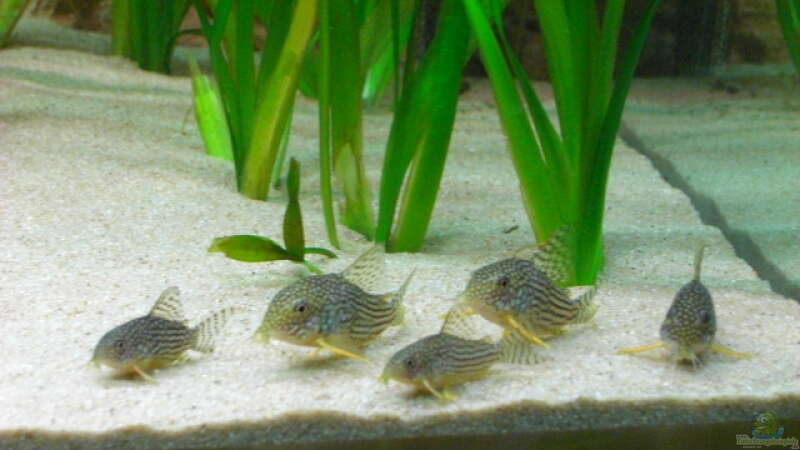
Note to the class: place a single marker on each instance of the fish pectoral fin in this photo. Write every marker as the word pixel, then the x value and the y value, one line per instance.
pixel 339 350
pixel 183 358
pixel 143 374
pixel 640 349
pixel 716 348
pixel 528 335
pixel 443 396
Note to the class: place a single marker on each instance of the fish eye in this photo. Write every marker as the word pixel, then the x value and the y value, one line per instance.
pixel 119 345
pixel 503 281
pixel 300 307
pixel 409 362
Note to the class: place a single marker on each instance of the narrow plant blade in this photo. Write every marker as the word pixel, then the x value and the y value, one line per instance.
pixel 249 248
pixel 789 19
pixel 120 28
pixel 541 200
pixel 210 115
pixel 274 102
pixel 346 122
pixel 558 165
pixel 590 258
pixel 440 72
pixel 325 123
pixel 293 236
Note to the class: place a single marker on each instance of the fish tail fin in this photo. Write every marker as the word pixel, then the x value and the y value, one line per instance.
pixel 698 261
pixel 515 349
pixel 207 331
pixel 396 300
pixel 587 307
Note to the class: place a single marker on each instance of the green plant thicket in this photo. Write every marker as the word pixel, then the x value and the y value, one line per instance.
pixel 145 30
pixel 562 174
pixel 345 54
pixel 303 38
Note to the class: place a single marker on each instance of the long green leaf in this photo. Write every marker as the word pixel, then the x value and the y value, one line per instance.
pixel 346 122
pixel 590 240
pixel 438 90
pixel 325 124
pixel 539 197
pixel 293 235
pixel 244 65
pixel 556 160
pixel 789 19
pixel 120 27
pixel 559 49
pixel 210 115
pixel 249 248
pixel 274 102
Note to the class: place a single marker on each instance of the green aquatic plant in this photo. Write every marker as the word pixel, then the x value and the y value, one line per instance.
pixel 252 248
pixel 563 176
pixel 258 99
pixel 340 123
pixel 789 20
pixel 10 13
pixel 145 30
pixel 420 133
pixel 258 102
pixel 210 115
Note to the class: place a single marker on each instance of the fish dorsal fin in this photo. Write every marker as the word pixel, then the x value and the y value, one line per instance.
pixel 457 323
pixel 551 256
pixel 168 306
pixel 698 260
pixel 366 271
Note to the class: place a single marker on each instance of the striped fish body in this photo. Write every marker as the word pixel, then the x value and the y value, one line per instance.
pixel 690 324
pixel 452 357
pixel 516 287
pixel 160 338
pixel 442 360
pixel 352 311
pixel 149 342
pixel 328 305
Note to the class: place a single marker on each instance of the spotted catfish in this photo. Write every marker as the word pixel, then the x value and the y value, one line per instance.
pixel 160 338
pixel 453 356
pixel 335 311
pixel 525 292
pixel 691 323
